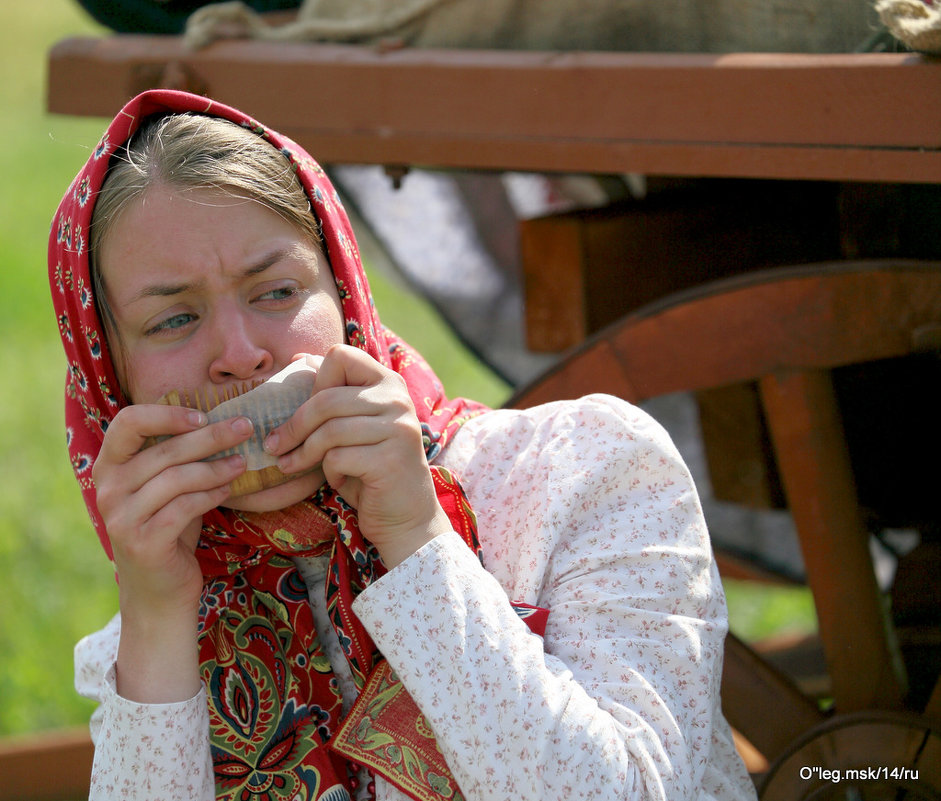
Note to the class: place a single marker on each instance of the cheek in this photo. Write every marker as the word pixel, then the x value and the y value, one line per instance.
pixel 151 379
pixel 319 325
pixel 137 377
pixel 148 374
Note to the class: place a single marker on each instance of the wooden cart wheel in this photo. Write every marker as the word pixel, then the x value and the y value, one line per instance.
pixel 786 329
pixel 861 757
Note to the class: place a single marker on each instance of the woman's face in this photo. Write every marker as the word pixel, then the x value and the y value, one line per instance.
pixel 210 291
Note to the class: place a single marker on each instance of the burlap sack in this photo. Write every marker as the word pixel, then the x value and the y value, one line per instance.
pixel 915 23
pixel 716 26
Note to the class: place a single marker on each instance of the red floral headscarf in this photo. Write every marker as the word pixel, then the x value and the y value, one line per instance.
pixel 93 396
pixel 274 702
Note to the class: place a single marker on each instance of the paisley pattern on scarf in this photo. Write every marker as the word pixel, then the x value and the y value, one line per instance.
pixel 272 695
pixel 274 701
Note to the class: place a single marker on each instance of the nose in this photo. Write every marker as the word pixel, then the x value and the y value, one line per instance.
pixel 238 352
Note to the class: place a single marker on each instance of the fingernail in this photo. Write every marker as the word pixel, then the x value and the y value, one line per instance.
pixel 242 425
pixel 196 418
pixel 271 442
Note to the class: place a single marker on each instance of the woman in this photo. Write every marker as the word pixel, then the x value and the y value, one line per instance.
pixel 565 641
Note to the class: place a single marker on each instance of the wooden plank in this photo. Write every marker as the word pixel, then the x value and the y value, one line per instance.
pixel 554 270
pixel 48 766
pixel 862 656
pixel 738 451
pixel 843 117
pixel 754 693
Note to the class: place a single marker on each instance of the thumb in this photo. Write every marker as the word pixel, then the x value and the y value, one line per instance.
pixel 346 366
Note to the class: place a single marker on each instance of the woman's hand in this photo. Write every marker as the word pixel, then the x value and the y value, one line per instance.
pixel 361 426
pixel 152 500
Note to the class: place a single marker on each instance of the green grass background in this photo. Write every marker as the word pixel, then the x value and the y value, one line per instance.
pixel 55 584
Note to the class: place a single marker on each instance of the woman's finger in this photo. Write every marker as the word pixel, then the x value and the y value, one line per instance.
pixel 135 511
pixel 174 515
pixel 346 366
pixel 189 446
pixel 340 432
pixel 203 443
pixel 135 424
pixel 350 383
pixel 181 480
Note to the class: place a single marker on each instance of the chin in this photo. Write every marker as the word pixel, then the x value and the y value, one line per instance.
pixel 279 497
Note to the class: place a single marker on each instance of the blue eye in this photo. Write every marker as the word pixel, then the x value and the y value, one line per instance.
pixel 171 323
pixel 282 293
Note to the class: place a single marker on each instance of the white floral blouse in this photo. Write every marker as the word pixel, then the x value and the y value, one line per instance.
pixel 585 508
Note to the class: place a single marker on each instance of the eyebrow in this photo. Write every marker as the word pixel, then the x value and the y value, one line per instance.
pixel 168 290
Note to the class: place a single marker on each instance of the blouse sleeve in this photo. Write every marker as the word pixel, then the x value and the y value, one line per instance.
pixel 585 508
pixel 143 752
